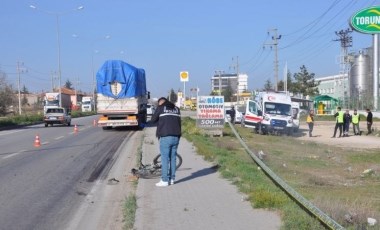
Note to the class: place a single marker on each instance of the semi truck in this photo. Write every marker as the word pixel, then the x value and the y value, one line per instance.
pixel 51 100
pixel 270 112
pixel 87 104
pixel 122 97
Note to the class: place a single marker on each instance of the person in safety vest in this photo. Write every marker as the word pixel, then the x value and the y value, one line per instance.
pixel 355 123
pixel 346 122
pixel 339 122
pixel 310 122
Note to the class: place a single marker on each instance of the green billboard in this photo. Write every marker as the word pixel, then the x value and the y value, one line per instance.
pixel 367 20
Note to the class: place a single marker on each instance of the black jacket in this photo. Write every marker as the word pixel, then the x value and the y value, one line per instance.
pixel 369 117
pixel 168 117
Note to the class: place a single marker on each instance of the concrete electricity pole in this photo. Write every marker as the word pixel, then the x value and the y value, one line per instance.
pixel 236 67
pixel 20 70
pixel 274 45
pixel 345 40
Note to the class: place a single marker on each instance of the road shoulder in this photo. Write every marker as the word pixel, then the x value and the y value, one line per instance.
pixel 200 199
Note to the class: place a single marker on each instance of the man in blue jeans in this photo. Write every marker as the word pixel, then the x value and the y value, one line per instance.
pixel 168 119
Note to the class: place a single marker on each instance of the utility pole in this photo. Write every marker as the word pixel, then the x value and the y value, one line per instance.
pixel 236 67
pixel 19 71
pixel 52 81
pixel 274 45
pixel 345 40
pixel 77 82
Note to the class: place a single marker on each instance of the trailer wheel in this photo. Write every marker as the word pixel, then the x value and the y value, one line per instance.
pixel 46 124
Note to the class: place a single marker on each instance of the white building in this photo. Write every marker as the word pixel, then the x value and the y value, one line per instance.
pixel 238 83
pixel 336 86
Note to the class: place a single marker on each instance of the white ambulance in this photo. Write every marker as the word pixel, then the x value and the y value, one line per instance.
pixel 296 116
pixel 270 112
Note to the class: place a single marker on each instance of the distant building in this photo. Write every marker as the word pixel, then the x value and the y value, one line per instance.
pixel 238 83
pixel 336 86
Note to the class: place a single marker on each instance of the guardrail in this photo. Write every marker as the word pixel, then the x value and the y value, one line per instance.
pixel 315 211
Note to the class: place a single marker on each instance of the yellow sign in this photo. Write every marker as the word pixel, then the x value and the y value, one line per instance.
pixel 184 76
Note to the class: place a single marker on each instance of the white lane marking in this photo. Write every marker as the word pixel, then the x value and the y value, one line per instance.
pixel 60 137
pixel 2 133
pixel 45 143
pixel 14 154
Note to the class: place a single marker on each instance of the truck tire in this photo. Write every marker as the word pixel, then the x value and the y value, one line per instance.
pixel 69 124
pixel 46 124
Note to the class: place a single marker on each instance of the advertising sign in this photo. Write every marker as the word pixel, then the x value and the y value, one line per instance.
pixel 184 76
pixel 367 20
pixel 210 112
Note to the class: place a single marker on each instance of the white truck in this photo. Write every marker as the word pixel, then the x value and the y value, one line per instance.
pixel 270 112
pixel 51 100
pixel 122 96
pixel 87 104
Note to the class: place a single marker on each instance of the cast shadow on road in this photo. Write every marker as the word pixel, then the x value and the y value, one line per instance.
pixel 301 133
pixel 199 173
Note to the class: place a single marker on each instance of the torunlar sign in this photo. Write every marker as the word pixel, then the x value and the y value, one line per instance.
pixel 367 20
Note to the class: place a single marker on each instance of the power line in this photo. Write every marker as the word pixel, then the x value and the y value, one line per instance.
pixel 274 44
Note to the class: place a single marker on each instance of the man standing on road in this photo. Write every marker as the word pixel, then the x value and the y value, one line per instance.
pixel 355 122
pixel 168 118
pixel 369 121
pixel 346 122
pixel 232 115
pixel 339 122
pixel 310 122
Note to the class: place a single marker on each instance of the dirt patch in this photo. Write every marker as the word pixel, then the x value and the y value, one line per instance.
pixel 324 130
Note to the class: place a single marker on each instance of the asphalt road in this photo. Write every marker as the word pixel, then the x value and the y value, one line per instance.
pixel 41 187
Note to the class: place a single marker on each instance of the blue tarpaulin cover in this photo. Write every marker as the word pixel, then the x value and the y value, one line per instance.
pixel 132 79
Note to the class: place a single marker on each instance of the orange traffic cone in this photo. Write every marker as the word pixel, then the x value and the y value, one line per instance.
pixel 75 129
pixel 37 142
pixel 95 123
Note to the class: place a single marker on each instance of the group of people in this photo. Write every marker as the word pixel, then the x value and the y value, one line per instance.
pixel 343 121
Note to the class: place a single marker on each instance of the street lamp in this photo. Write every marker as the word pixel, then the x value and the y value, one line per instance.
pixel 93 51
pixel 57 15
pixel 93 70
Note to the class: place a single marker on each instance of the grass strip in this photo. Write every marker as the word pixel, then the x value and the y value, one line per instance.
pixel 241 170
pixel 129 211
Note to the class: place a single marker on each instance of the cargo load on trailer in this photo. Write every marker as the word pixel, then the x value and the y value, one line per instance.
pixel 121 95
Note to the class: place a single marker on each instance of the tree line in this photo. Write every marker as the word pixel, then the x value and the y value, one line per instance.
pixel 301 83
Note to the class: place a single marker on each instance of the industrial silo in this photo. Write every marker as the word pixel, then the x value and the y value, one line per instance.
pixel 361 79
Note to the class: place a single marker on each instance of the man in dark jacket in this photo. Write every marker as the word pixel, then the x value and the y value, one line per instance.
pixel 347 118
pixel 369 121
pixel 168 119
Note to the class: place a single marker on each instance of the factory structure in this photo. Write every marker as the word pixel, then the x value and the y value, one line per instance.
pixel 355 88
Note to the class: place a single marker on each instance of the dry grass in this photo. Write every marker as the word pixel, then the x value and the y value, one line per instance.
pixel 330 177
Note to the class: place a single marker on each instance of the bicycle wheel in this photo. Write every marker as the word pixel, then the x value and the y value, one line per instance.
pixel 157 161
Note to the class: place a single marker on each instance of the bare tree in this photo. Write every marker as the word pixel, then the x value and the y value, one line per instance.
pixel 7 97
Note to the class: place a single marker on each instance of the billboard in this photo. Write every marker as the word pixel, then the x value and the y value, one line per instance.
pixel 210 112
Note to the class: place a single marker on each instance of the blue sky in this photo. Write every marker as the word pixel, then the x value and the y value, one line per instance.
pixel 166 37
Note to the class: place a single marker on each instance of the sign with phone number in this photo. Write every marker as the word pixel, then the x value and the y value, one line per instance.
pixel 210 112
